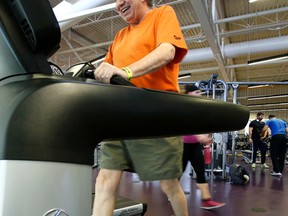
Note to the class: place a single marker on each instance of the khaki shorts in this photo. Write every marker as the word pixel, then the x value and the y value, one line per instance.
pixel 152 159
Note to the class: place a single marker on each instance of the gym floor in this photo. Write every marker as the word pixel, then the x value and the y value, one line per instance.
pixel 264 195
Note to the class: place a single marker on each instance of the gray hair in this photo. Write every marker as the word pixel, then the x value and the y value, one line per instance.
pixel 150 3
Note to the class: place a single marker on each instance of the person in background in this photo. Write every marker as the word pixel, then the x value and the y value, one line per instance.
pixel 255 129
pixel 278 143
pixel 192 151
pixel 147 52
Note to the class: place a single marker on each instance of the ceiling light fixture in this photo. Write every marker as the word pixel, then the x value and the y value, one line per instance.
pixel 62 6
pixel 268 110
pixel 268 59
pixel 85 13
pixel 268 104
pixel 258 86
pixel 251 1
pixel 183 76
pixel 267 97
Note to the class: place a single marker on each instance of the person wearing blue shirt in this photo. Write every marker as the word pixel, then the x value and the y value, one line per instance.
pixel 278 143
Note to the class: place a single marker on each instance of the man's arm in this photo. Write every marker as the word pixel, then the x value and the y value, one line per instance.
pixel 264 131
pixel 250 134
pixel 156 59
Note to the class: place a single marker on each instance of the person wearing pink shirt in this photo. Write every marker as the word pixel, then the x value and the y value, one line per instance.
pixel 192 151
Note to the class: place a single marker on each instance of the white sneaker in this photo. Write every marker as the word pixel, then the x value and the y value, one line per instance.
pixel 265 166
pixel 276 174
pixel 253 165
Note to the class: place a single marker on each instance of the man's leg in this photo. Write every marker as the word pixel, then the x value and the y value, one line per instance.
pixel 176 196
pixel 254 150
pixel 281 151
pixel 273 155
pixel 105 192
pixel 281 158
pixel 263 150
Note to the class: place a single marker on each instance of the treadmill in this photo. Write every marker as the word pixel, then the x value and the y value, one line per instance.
pixel 51 124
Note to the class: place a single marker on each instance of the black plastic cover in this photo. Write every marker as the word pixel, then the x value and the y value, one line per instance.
pixel 26 49
pixel 57 118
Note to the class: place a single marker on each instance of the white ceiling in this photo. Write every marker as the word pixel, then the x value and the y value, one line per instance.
pixel 222 36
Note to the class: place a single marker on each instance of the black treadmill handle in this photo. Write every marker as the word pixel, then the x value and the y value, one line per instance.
pixel 118 80
pixel 115 80
pixel 89 73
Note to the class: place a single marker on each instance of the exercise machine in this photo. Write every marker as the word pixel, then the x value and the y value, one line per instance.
pixel 50 124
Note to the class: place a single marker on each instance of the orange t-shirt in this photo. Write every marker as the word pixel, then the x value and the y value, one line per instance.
pixel 132 43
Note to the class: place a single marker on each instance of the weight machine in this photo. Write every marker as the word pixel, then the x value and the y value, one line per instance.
pixel 218 89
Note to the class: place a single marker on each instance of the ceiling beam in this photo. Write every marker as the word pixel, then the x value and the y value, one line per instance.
pixel 207 27
pixel 241 17
pixel 233 66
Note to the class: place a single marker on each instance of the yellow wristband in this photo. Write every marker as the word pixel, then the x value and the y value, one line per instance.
pixel 129 72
